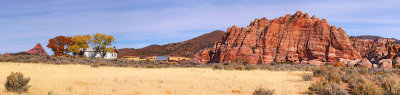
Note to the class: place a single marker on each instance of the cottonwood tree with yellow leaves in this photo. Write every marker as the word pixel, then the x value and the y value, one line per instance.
pixel 80 44
pixel 101 43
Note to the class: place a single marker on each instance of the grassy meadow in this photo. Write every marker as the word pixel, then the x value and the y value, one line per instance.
pixel 86 80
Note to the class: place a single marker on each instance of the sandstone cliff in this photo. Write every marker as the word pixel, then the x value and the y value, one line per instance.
pixel 292 38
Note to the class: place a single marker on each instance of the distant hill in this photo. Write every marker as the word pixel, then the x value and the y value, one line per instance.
pixel 186 48
pixel 375 38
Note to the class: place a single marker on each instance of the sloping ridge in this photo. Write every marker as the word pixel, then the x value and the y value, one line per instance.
pixel 375 38
pixel 185 49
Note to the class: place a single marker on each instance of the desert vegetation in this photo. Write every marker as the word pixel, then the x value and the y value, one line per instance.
pixel 263 91
pixel 16 82
pixel 152 64
pixel 357 81
pixel 328 79
pixel 77 79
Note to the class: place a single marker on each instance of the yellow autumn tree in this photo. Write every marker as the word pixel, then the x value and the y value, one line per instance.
pixel 102 43
pixel 80 44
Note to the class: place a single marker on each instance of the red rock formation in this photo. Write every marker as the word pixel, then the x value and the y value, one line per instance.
pixel 377 48
pixel 37 50
pixel 292 38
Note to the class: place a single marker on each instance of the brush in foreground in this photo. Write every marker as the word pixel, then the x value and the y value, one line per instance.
pixel 17 83
pixel 263 91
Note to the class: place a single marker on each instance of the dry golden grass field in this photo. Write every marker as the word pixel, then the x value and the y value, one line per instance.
pixel 85 80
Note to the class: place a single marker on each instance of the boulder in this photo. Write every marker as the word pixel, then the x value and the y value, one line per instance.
pixel 352 63
pixel 364 63
pixel 397 61
pixel 374 66
pixel 385 63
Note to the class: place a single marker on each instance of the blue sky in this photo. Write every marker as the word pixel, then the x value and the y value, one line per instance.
pixel 138 23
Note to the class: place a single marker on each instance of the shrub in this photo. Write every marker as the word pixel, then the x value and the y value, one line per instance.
pixel 349 73
pixel 325 87
pixel 263 91
pixel 96 65
pixel 17 83
pixel 391 85
pixel 363 71
pixel 308 77
pixel 334 75
pixel 251 67
pixel 319 71
pixel 340 64
pixel 366 87
pixel 396 66
pixel 239 67
pixel 217 66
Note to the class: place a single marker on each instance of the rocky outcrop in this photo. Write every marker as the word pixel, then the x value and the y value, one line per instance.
pixel 37 50
pixel 364 63
pixel 292 38
pixel 203 56
pixel 376 48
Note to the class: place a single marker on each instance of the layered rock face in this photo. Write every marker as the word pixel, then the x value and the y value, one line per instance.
pixel 292 38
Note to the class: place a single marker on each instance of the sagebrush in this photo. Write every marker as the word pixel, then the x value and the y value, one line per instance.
pixel 16 82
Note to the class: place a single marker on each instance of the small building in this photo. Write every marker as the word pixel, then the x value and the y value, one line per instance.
pixel 91 53
pixel 161 58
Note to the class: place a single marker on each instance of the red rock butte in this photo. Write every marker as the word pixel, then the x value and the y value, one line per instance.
pixel 292 38
pixel 37 50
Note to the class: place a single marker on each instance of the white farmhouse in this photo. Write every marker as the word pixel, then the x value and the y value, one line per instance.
pixel 91 53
